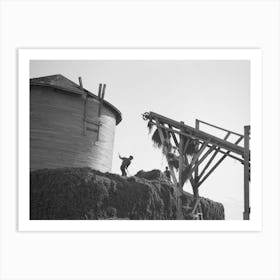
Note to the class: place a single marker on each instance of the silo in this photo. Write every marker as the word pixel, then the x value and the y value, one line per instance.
pixel 69 125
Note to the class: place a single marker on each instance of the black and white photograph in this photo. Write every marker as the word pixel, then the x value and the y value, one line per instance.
pixel 140 139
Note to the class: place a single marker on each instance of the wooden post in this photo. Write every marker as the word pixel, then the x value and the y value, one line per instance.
pixel 85 115
pixel 246 213
pixel 181 159
pixel 196 178
pixel 101 94
pixel 85 105
pixel 196 170
pixel 179 214
pixel 179 189
pixel 81 83
pixel 99 91
pixel 204 140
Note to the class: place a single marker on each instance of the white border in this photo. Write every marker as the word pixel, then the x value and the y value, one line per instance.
pixel 253 55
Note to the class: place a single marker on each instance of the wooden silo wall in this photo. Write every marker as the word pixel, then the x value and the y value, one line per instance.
pixel 56 131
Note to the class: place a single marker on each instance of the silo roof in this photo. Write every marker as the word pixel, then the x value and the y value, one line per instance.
pixel 60 82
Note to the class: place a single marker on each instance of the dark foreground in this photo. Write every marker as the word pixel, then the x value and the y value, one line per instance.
pixel 84 193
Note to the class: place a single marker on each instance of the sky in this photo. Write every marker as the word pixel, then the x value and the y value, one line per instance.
pixel 217 92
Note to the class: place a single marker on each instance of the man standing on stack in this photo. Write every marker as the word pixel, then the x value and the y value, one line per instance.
pixel 125 163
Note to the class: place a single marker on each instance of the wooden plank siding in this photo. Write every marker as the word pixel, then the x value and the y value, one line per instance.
pixel 56 131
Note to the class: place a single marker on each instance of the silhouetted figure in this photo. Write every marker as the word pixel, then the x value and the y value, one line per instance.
pixel 167 173
pixel 125 163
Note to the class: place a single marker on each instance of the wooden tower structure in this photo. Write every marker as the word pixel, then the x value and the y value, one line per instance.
pixel 69 125
pixel 186 148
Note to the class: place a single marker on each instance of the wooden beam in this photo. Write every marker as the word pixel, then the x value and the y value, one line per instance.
pixel 212 158
pixel 179 189
pixel 173 136
pixel 194 163
pixel 85 112
pixel 197 163
pixel 186 145
pixel 92 122
pixel 91 129
pixel 101 94
pixel 225 153
pixel 85 105
pixel 197 155
pixel 201 142
pixel 211 170
pixel 208 163
pixel 81 83
pixel 195 205
pixel 99 91
pixel 181 161
pixel 191 177
pixel 226 130
pixel 216 165
pixel 199 134
pixel 246 213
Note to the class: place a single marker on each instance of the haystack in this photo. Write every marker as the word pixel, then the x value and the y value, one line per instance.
pixel 84 193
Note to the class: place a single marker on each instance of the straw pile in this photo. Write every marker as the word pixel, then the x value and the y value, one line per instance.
pixel 84 193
